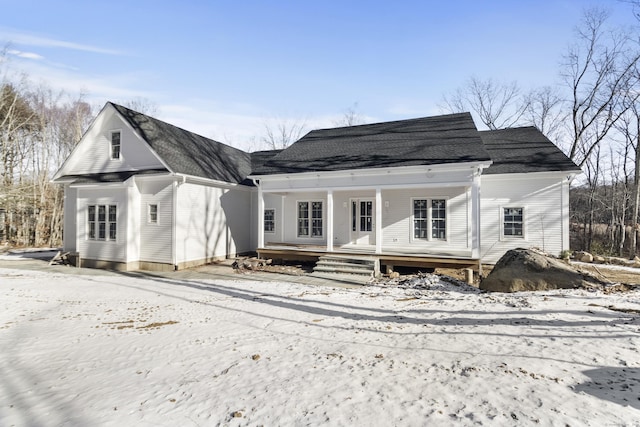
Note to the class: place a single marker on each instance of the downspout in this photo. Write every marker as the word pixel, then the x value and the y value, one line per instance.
pixel 174 245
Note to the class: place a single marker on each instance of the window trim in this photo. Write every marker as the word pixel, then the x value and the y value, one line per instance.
pixel 524 222
pixel 111 133
pixel 157 220
pixel 273 220
pixel 429 219
pixel 107 222
pixel 310 219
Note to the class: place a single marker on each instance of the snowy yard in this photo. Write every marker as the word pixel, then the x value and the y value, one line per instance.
pixel 118 350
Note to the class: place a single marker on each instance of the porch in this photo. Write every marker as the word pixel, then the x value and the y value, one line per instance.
pixel 389 257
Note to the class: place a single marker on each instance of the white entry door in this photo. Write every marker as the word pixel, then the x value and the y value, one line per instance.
pixel 363 228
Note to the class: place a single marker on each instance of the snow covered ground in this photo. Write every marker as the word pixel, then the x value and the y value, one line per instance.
pixel 122 351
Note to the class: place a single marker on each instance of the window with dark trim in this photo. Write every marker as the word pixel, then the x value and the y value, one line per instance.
pixel 269 220
pixel 513 221
pixel 115 145
pixel 102 221
pixel 310 219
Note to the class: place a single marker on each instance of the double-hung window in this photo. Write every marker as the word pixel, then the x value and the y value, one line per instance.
pixel 310 219
pixel 269 221
pixel 513 222
pixel 153 214
pixel 102 222
pixel 115 145
pixel 430 219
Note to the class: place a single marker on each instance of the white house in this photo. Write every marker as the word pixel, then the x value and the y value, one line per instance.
pixel 141 193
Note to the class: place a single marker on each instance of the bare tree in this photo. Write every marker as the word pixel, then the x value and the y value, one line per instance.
pixel 141 105
pixel 350 117
pixel 497 105
pixel 545 111
pixel 629 127
pixel 281 133
pixel 600 70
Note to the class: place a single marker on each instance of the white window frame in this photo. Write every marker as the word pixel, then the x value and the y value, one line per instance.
pixel 97 222
pixel 429 219
pixel 273 220
pixel 310 219
pixel 149 220
pixel 524 222
pixel 111 133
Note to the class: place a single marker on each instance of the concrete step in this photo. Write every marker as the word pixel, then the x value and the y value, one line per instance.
pixel 344 268
pixel 353 279
pixel 357 270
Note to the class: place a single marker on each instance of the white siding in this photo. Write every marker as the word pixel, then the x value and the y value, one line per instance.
pixel 70 219
pixel 96 249
pixel 212 222
pixel 93 153
pixel 541 198
pixel 156 238
pixel 398 227
pixel 290 218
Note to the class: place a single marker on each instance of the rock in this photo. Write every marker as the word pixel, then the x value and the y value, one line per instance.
pixel 526 270
pixel 583 256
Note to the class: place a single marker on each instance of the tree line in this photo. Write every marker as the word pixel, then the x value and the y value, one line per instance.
pixel 592 113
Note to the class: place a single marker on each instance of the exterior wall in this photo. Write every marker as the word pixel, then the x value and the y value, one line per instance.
pixel 93 153
pixel 69 236
pixel 397 220
pixel 156 239
pixel 544 198
pixel 97 249
pixel 290 217
pixel 397 224
pixel 211 223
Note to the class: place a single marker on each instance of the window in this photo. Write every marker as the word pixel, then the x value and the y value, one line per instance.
pixel 512 223
pixel 438 219
pixel 153 214
pixel 430 212
pixel 92 222
pixel 102 222
pixel 269 220
pixel 420 215
pixel 310 222
pixel 115 145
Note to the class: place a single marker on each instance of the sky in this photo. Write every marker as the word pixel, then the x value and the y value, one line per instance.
pixel 225 69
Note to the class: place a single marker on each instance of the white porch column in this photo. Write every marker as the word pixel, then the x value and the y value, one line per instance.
pixel 378 221
pixel 260 217
pixel 475 215
pixel 330 221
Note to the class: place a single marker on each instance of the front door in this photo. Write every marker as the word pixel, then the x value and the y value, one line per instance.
pixel 363 229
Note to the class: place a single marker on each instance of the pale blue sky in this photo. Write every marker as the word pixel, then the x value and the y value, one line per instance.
pixel 223 68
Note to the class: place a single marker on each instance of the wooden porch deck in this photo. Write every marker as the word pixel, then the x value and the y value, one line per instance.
pixel 390 257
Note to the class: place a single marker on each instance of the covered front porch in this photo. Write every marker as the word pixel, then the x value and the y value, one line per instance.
pixel 425 217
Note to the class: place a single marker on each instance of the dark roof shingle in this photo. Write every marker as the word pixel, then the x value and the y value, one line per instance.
pixel 522 150
pixel 443 139
pixel 188 153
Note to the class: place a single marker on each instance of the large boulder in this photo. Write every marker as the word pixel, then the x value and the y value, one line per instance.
pixel 583 256
pixel 527 270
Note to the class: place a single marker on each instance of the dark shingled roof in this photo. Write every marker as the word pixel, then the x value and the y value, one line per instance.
pixel 522 150
pixel 450 138
pixel 188 153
